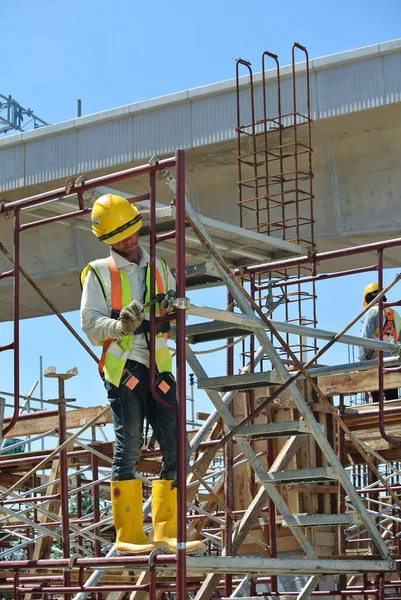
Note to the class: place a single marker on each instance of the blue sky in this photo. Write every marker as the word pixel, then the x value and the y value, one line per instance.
pixel 114 53
pixel 111 54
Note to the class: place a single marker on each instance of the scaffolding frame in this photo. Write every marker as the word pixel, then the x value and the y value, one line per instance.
pixel 269 567
pixel 376 519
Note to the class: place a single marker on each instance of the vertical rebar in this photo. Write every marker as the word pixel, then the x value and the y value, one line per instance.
pixel 288 207
pixel 244 159
pixel 277 122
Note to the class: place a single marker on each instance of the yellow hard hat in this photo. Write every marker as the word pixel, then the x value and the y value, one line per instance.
pixel 369 289
pixel 114 219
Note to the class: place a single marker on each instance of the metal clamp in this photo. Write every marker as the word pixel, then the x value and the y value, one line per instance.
pixel 182 303
pixel 271 304
pixel 73 560
pixel 7 215
pixel 163 173
pixel 153 555
pixel 167 304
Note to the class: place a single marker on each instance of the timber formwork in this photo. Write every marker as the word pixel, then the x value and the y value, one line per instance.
pixel 304 527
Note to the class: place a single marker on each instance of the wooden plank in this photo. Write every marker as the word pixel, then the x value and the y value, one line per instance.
pixel 75 419
pixel 390 422
pixel 376 443
pixel 204 497
pixel 7 480
pixel 307 458
pixel 353 383
pixel 202 416
pixel 314 489
pixel 320 408
pixel 390 454
pixel 367 415
pixel 138 594
pixel 366 408
pixel 242 476
pixel 324 538
pixel 324 499
pixel 147 464
pixel 43 545
pixel 371 431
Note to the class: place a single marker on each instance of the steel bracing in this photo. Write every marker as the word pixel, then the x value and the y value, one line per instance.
pixel 14 117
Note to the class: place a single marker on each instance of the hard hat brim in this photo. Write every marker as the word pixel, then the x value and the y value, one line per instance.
pixel 121 233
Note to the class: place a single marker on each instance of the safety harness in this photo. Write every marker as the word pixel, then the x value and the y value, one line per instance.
pixel 115 352
pixel 391 326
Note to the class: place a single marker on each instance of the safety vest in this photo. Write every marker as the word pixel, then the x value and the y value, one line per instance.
pixel 392 325
pixel 114 281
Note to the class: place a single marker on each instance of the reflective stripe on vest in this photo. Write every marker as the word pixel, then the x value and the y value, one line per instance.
pixel 115 285
pixel 164 361
pixel 392 324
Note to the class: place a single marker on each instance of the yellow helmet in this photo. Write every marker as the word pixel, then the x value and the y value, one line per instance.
pixel 114 219
pixel 369 289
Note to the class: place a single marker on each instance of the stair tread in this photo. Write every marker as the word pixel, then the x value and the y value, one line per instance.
pixel 306 520
pixel 239 382
pixel 315 475
pixel 198 333
pixel 273 430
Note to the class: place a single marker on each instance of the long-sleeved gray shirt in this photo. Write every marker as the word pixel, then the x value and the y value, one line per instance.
pixel 369 326
pixel 95 312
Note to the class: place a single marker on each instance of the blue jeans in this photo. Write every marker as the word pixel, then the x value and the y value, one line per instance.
pixel 129 408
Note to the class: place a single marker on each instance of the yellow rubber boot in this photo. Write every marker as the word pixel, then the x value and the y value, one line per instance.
pixel 164 517
pixel 126 502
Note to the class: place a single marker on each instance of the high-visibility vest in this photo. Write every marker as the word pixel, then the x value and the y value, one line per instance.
pixel 392 325
pixel 114 282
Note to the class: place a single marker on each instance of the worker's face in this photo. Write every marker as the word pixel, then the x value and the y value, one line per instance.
pixel 128 248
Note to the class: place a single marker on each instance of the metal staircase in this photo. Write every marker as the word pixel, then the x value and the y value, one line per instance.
pixel 277 475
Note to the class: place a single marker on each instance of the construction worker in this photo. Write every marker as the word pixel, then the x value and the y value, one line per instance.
pixel 112 315
pixel 370 329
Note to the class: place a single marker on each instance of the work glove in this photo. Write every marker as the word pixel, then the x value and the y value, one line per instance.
pixel 131 317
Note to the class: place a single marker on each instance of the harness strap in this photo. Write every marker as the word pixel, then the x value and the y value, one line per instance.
pixel 160 289
pixel 144 327
pixel 116 292
pixel 116 305
pixel 389 325
pixel 390 314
